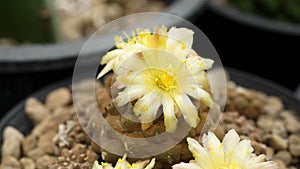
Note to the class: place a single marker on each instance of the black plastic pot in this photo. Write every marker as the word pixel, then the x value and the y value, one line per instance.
pixel 26 68
pixel 255 21
pixel 16 117
pixel 253 44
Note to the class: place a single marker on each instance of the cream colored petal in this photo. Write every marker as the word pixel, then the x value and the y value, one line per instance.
pixel 111 55
pixel 258 159
pixel 215 148
pixel 265 165
pixel 122 59
pixel 189 111
pixel 200 154
pixel 200 94
pixel 161 59
pixel 170 119
pixel 106 69
pixel 130 93
pixel 134 62
pixel 147 106
pixel 186 166
pixel 180 35
pixel 242 153
pixel 202 80
pixel 151 164
pixel 207 63
pixel 230 141
pixel 131 78
pixel 122 163
pixel 210 141
pixel 139 165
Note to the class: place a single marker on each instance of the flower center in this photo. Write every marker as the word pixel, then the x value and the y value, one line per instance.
pixel 162 80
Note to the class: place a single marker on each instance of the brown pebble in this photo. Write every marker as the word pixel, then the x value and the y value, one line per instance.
pixel 35 110
pixel 44 161
pixel 12 139
pixel 240 102
pixel 259 148
pixel 51 122
pixel 29 143
pixel 35 153
pixel 273 106
pixel 278 128
pixel 277 142
pixel 10 162
pixel 294 145
pixel 295 150
pixel 270 153
pixel 27 163
pixel 265 123
pixel 58 98
pixel 292 125
pixel 281 164
pixel 284 156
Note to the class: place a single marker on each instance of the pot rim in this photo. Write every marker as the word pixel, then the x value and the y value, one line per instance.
pixel 53 56
pixel 255 21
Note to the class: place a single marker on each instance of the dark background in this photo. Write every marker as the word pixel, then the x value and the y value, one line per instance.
pixel 270 55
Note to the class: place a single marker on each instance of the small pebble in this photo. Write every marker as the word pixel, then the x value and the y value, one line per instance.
pixel 27 163
pixel 277 142
pixel 284 156
pixel 10 162
pixel 281 164
pixel 58 98
pixel 35 110
pixel 274 106
pixel 12 139
pixel 294 145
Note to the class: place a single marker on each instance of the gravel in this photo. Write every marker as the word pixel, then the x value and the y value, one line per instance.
pixel 58 141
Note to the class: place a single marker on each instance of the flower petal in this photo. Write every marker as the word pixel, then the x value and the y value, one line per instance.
pixel 147 106
pixel 186 166
pixel 180 35
pixel 230 141
pixel 215 148
pixel 111 55
pixel 106 69
pixel 189 111
pixel 151 164
pixel 134 62
pixel 131 93
pixel 265 165
pixel 242 153
pixel 200 154
pixel 207 63
pixel 170 119
pixel 200 94
pixel 122 163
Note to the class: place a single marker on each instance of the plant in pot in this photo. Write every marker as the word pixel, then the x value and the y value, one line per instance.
pixel 160 86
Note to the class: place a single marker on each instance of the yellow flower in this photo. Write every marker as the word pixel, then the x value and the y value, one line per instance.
pixel 230 154
pixel 157 69
pixel 155 78
pixel 176 40
pixel 124 164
